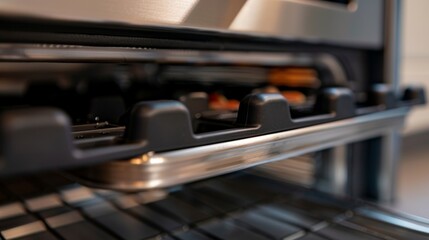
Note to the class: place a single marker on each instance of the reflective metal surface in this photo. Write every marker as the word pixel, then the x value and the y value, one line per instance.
pixel 10 54
pixel 154 170
pixel 392 54
pixel 299 170
pixel 357 23
pixel 395 219
pixel 332 171
pixel 387 175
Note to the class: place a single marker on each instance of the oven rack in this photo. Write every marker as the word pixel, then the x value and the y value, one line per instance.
pixel 166 169
pixel 235 206
pixel 162 126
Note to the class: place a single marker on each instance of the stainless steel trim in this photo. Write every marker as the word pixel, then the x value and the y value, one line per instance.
pixel 154 170
pixel 387 175
pixel 358 23
pixel 315 21
pixel 392 53
pixel 299 170
pixel 332 174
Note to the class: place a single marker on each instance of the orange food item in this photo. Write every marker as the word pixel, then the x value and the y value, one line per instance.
pixel 294 77
pixel 294 97
pixel 220 102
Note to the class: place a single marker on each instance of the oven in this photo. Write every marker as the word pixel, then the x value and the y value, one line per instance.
pixel 199 119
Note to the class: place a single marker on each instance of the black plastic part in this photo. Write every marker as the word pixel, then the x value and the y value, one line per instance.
pixel 196 102
pixel 414 95
pixel 41 138
pixel 150 119
pixel 381 94
pixel 32 138
pixel 339 101
pixel 255 111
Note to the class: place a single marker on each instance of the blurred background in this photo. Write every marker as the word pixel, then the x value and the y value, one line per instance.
pixel 415 57
pixel 413 193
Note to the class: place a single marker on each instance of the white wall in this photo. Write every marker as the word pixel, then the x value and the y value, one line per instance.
pixel 415 56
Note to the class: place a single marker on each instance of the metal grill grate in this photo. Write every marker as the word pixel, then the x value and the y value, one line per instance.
pixel 238 206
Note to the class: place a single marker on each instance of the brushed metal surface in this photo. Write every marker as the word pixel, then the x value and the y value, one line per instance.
pixel 154 170
pixel 392 36
pixel 358 23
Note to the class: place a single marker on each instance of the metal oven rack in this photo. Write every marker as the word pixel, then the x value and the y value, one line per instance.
pixel 151 147
pixel 352 121
pixel 238 206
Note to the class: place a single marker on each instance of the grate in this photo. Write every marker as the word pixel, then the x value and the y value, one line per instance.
pixel 236 206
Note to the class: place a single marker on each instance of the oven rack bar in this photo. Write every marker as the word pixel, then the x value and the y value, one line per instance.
pixel 155 170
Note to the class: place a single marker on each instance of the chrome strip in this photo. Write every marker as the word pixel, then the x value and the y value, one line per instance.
pixel 166 169
pixel 392 42
pixel 391 151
